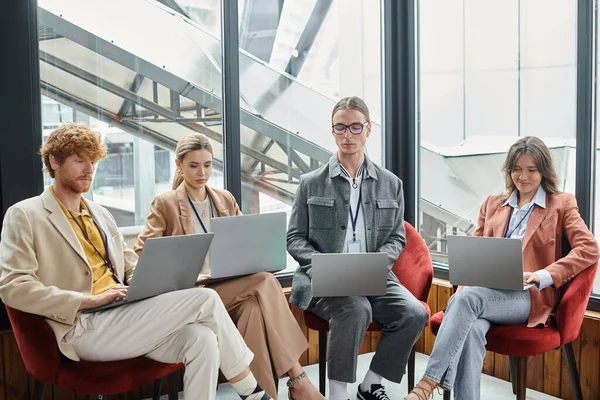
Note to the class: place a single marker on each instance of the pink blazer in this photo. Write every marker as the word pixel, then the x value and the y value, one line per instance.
pixel 551 232
pixel 171 213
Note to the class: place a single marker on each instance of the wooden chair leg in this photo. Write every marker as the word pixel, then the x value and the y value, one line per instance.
pixel 322 361
pixel 172 382
pixel 513 373
pixel 521 376
pixel 157 391
pixel 411 370
pixel 38 390
pixel 573 373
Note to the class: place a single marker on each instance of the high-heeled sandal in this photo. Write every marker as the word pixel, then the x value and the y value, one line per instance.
pixel 292 381
pixel 426 393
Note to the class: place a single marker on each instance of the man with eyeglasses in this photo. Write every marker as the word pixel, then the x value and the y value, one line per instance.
pixel 367 205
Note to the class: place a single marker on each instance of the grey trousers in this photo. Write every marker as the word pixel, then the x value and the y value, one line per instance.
pixel 457 357
pixel 402 316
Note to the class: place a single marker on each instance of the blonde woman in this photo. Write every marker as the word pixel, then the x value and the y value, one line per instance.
pixel 535 211
pixel 255 303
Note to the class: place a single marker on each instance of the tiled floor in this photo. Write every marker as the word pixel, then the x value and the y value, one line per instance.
pixel 491 388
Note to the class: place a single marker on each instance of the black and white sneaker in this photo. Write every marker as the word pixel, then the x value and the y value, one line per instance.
pixel 377 392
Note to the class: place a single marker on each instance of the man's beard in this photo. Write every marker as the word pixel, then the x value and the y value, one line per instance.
pixel 76 186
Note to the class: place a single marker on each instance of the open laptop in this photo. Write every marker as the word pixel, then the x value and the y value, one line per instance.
pixel 247 244
pixel 166 264
pixel 343 274
pixel 490 262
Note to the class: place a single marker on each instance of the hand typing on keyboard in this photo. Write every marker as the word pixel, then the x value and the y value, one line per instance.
pixel 113 294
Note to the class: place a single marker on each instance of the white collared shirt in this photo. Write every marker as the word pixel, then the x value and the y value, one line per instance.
pixel 518 225
pixel 360 221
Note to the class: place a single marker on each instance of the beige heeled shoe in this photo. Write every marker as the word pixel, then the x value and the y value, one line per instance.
pixel 425 393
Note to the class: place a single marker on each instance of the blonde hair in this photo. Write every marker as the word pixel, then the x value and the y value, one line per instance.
pixel 352 103
pixel 536 148
pixel 187 144
pixel 69 139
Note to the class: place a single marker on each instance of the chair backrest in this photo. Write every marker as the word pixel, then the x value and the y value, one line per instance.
pixel 414 268
pixel 37 345
pixel 571 310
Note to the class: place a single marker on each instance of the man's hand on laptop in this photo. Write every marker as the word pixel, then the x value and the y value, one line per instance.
pixel 531 277
pixel 115 293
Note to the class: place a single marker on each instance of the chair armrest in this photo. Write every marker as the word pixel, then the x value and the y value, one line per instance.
pixel 573 304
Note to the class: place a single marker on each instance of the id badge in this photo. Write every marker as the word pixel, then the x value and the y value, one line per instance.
pixel 354 246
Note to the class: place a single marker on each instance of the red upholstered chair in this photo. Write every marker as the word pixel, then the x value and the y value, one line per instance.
pixel 45 364
pixel 519 342
pixel 415 271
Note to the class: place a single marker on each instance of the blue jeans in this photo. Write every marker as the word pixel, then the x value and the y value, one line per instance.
pixel 459 349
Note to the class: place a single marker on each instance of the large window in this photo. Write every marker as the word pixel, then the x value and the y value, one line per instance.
pixel 143 83
pixel 490 71
pixel 297 58
pixel 146 82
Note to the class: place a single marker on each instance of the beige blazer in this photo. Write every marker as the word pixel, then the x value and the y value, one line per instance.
pixel 171 214
pixel 43 267
pixel 556 238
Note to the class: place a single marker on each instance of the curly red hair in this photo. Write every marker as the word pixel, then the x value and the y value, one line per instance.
pixel 69 139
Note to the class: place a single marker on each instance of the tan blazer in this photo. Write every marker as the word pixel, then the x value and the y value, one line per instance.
pixel 43 267
pixel 550 233
pixel 171 214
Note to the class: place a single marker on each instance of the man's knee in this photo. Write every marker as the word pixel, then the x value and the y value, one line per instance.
pixel 419 313
pixel 356 308
pixel 198 341
pixel 412 314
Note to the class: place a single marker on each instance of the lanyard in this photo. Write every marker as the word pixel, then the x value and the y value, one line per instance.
pixel 354 217
pixel 107 259
pixel 198 215
pixel 506 233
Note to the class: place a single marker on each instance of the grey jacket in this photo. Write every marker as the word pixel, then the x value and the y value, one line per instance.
pixel 320 215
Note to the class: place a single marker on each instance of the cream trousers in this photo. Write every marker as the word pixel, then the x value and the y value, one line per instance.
pixel 188 326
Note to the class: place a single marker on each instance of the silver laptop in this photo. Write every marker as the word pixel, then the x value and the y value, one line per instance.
pixel 166 264
pixel 490 262
pixel 247 244
pixel 342 274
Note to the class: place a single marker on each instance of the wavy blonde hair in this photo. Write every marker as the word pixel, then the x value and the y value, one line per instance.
pixel 69 139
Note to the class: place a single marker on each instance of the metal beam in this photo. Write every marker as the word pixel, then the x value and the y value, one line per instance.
pixel 231 98
pixel 135 86
pixel 106 85
pixel 173 5
pixel 149 134
pixel 400 98
pixel 20 108
pixel 585 164
pixel 308 36
pixel 257 155
pixel 296 159
pixel 174 82
pixel 106 116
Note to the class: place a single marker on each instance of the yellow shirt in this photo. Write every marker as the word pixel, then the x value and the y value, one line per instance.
pixel 102 277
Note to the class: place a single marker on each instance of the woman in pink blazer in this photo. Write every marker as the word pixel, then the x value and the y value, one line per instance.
pixel 535 211
pixel 256 303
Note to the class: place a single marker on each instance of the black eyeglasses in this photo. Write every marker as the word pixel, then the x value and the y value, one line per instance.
pixel 355 129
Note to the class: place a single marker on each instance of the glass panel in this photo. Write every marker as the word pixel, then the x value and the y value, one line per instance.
pixel 130 80
pixel 296 61
pixel 485 82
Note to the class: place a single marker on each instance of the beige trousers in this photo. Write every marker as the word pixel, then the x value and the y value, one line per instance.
pixel 189 326
pixel 258 306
